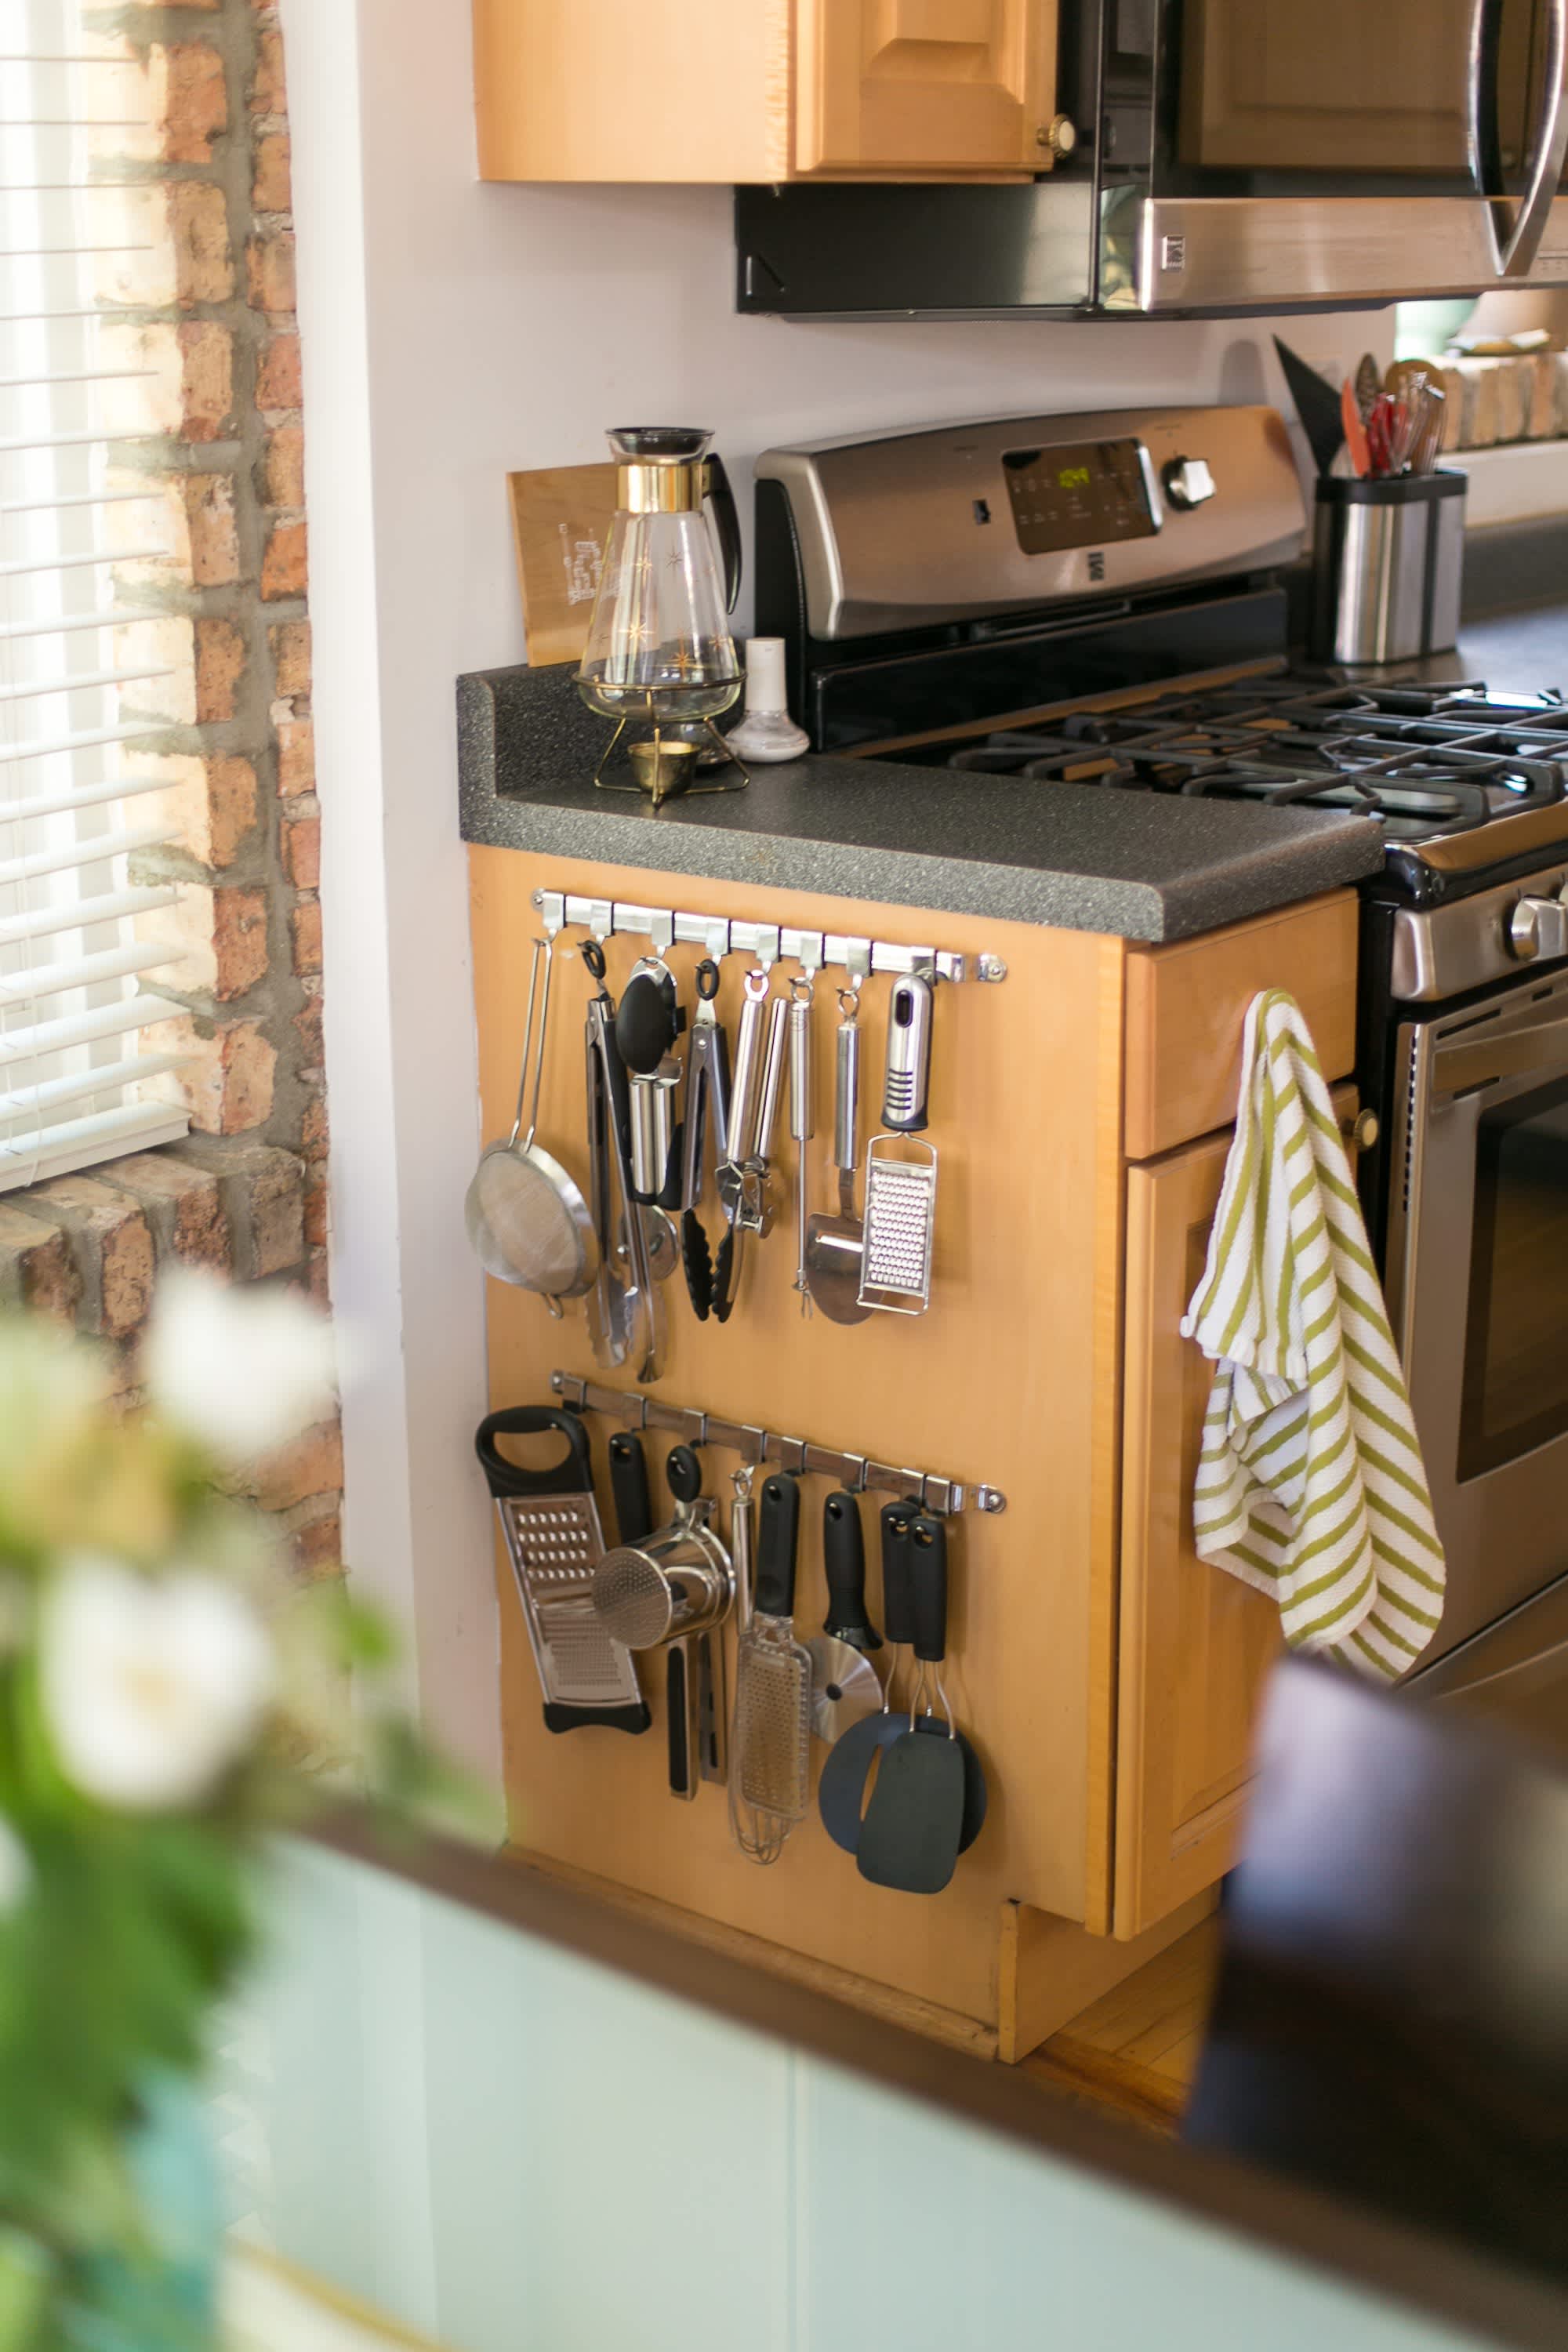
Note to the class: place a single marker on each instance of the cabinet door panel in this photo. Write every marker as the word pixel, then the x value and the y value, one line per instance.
pixel 1195 1644
pixel 921 86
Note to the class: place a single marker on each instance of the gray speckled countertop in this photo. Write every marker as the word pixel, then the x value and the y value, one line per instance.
pixel 1139 865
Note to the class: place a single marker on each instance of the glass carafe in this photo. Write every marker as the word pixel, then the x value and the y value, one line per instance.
pixel 660 652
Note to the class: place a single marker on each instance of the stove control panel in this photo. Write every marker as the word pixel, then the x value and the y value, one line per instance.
pixel 1538 927
pixel 1440 951
pixel 1081 494
pixel 909 530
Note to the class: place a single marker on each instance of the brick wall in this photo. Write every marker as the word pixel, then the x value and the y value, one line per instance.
pixel 207 312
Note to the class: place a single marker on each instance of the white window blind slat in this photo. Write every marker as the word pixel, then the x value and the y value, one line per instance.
pixel 80 796
pixel 87 849
pixel 81 562
pixel 85 498
pixel 64 972
pixel 88 738
pixel 25 1044
pixel 72 624
pixel 109 1077
pixel 30 689
pixel 84 914
pixel 58 1148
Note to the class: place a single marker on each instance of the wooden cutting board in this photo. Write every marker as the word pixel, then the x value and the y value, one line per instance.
pixel 561 519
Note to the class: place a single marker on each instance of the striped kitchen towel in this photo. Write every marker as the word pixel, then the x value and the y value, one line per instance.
pixel 1311 1485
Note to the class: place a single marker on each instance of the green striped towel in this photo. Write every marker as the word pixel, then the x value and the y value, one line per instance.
pixel 1310 1485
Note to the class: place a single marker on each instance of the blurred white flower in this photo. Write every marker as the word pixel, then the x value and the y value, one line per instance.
pixel 15 1868
pixel 150 1690
pixel 241 1369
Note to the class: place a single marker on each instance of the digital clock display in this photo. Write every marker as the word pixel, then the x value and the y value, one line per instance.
pixel 1085 495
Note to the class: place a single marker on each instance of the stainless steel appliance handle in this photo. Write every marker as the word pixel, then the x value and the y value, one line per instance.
pixel 1475 81
pixel 1515 257
pixel 1540 1047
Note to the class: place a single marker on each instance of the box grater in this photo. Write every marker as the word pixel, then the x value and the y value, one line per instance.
pixel 900 1217
pixel 551 1524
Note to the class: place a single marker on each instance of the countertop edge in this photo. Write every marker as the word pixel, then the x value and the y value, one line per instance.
pixel 1149 912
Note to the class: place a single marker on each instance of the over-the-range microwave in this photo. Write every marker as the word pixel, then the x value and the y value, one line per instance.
pixel 1221 155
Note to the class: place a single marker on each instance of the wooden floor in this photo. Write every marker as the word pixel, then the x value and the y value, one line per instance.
pixel 1132 2053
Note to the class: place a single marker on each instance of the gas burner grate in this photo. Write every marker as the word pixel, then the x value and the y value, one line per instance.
pixel 1424 761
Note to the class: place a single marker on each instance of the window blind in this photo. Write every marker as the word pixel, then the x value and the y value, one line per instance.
pixel 84 680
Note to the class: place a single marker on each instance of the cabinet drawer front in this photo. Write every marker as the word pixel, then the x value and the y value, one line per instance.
pixel 1187 1005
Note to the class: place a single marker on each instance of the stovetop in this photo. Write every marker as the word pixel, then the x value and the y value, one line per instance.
pixel 1426 762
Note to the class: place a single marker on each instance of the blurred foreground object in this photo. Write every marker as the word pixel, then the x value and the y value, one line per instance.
pixel 166 1697
pixel 1392 2018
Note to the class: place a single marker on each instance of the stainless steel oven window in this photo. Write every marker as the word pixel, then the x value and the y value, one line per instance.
pixel 1515 1393
pixel 1477 1280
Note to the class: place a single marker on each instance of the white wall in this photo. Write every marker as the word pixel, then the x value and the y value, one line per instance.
pixel 453 332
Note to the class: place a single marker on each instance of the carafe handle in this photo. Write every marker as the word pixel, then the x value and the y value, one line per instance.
pixel 721 497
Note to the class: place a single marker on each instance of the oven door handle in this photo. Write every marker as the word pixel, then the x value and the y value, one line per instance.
pixel 1538 1046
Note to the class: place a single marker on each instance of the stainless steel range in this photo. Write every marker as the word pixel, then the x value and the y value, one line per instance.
pixel 1152 655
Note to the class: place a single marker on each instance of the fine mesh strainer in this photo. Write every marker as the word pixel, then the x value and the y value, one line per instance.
pixel 527 1221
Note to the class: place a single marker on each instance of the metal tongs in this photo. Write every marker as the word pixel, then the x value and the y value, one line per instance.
pixel 625 1316
pixel 709 1282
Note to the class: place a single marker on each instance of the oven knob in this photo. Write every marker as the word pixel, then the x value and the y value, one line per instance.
pixel 1538 927
pixel 1187 481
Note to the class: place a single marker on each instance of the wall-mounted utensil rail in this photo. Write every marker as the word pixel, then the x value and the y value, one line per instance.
pixel 944 1497
pixel 769 943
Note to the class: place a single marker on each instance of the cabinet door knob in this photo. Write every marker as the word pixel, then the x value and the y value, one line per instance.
pixel 1060 134
pixel 1361 1131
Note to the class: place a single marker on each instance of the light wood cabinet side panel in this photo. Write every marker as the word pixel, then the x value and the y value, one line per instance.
pixel 1196 1644
pixel 614 90
pixel 923 86
pixel 1005 1379
pixel 1187 1005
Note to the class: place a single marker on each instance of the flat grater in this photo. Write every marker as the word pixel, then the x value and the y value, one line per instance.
pixel 901 1220
pixel 551 1523
pixel 770 1759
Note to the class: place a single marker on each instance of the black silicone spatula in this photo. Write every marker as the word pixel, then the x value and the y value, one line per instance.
pixel 910 1834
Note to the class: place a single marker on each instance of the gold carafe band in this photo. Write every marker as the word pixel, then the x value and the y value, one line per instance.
pixel 662 488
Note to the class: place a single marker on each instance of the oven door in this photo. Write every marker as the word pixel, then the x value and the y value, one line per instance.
pixel 1478 1282
pixel 1341 152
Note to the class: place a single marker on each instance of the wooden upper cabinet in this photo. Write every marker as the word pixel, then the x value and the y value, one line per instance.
pixel 920 85
pixel 762 90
